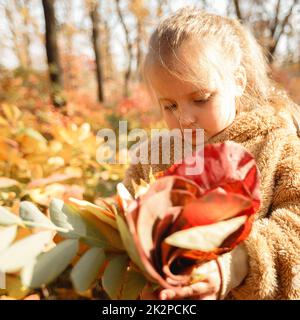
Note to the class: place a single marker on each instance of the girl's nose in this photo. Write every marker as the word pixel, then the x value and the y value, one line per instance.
pixel 187 119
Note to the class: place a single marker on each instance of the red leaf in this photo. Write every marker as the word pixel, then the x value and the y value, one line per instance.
pixel 228 187
pixel 214 206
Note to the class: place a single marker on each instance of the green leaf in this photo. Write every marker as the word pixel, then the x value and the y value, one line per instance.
pixel 87 268
pixel 133 285
pixel 7 236
pixel 7 218
pixel 23 251
pixel 66 217
pixel 128 242
pixel 97 210
pixel 113 277
pixel 207 237
pixel 61 218
pixel 49 265
pixel 35 218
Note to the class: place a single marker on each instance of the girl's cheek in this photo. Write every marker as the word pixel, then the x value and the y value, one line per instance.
pixel 224 115
pixel 170 120
pixel 213 119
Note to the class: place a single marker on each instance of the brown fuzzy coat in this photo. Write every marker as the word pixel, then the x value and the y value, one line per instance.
pixel 273 246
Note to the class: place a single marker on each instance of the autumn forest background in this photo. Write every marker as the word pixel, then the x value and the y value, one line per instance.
pixel 71 67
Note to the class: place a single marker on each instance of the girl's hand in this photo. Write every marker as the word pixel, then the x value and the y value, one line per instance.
pixel 207 289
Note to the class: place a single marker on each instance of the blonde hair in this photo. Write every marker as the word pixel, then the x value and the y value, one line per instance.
pixel 232 40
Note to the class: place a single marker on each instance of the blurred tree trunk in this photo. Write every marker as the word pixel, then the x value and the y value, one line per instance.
pixel 67 30
pixel 95 18
pixel 139 53
pixel 26 34
pixel 20 33
pixel 238 10
pixel 129 49
pixel 54 67
pixel 23 8
pixel 16 35
pixel 108 68
pixel 140 12
pixel 22 28
pixel 162 6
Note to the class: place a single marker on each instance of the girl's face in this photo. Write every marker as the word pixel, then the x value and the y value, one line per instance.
pixel 187 106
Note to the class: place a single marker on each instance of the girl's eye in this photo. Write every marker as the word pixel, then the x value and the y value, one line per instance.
pixel 171 107
pixel 202 101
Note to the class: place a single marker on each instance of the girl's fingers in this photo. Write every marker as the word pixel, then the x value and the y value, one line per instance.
pixel 196 289
pixel 207 268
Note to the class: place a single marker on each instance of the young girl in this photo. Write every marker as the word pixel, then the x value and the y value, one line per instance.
pixel 207 71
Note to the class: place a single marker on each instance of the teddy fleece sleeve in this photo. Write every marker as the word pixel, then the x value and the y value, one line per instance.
pixel 273 246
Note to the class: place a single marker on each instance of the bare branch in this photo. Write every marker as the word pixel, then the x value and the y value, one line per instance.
pixel 283 24
pixel 275 23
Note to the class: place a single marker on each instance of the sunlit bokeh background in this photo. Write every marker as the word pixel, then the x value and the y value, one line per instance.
pixel 48 129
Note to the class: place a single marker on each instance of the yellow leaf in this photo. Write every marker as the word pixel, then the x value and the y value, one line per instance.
pixel 3 122
pixel 152 177
pixel 102 213
pixel 140 189
pixel 14 288
pixel 207 237
pixel 11 112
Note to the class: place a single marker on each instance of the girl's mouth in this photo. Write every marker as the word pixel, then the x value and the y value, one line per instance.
pixel 195 132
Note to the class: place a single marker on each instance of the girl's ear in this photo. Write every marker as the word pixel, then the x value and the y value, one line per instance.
pixel 240 81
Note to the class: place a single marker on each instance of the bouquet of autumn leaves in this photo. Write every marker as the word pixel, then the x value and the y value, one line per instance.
pixel 158 236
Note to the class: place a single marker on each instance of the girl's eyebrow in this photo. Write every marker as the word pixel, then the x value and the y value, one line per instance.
pixel 202 91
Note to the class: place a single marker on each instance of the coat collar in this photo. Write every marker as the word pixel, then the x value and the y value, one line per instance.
pixel 257 122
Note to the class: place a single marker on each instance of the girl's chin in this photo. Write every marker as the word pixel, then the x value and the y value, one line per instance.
pixel 198 141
